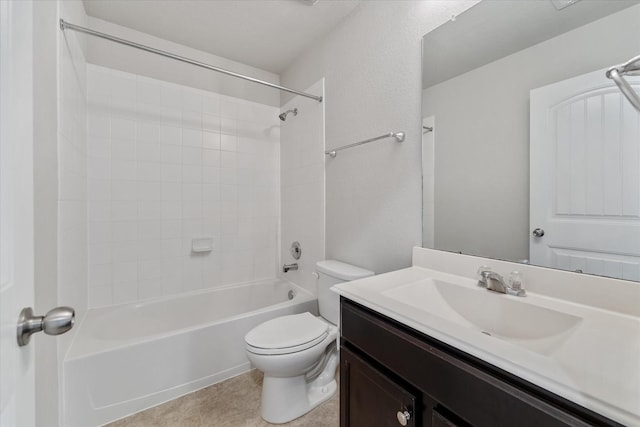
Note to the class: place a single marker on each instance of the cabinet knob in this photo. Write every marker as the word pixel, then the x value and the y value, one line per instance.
pixel 403 417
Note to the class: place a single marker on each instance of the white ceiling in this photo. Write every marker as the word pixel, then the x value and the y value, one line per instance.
pixel 491 30
pixel 268 34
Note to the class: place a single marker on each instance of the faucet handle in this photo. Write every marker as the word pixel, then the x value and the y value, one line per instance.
pixel 483 275
pixel 483 269
pixel 516 284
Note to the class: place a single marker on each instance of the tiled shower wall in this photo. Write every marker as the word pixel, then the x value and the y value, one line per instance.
pixel 169 163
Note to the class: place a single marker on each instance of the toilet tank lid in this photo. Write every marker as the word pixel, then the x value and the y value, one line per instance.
pixel 341 270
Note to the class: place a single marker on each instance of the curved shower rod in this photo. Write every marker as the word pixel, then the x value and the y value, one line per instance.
pixel 617 73
pixel 64 25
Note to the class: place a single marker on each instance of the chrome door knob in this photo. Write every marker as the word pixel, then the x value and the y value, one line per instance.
pixel 55 322
pixel 538 232
pixel 403 417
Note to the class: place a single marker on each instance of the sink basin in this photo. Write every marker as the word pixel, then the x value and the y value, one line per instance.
pixel 501 316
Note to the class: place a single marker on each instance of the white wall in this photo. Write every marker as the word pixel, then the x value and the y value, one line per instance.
pixel 490 157
pixel 372 67
pixel 302 186
pixel 124 58
pixel 168 163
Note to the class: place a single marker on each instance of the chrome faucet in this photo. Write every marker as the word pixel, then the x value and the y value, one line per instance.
pixel 287 267
pixel 495 282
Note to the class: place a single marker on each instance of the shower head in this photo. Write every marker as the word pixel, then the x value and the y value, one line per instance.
pixel 283 116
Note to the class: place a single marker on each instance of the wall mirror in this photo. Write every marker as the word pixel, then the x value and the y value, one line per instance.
pixel 530 153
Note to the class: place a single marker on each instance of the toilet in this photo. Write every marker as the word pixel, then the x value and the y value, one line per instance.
pixel 298 354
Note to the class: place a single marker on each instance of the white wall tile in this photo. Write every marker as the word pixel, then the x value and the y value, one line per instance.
pixel 99 147
pixel 124 231
pixel 100 231
pixel 171 228
pixel 122 128
pixel 148 289
pixel 149 171
pixel 123 169
pixel 211 104
pixel 164 168
pixel 171 210
pixel 211 123
pixel 124 251
pixel 124 210
pixel 171 173
pixel 192 138
pixel 171 154
pixel 125 271
pixel 191 156
pixel 147 132
pixel 125 292
pixel 101 296
pixel 170 135
pixel 211 140
pixel 148 92
pixel 210 175
pixel 191 100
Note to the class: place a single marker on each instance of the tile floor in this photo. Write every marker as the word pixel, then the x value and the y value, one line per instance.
pixel 231 403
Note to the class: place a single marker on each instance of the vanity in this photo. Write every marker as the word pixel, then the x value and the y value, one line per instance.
pixel 426 346
pixel 529 163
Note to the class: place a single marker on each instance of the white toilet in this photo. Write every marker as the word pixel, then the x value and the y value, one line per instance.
pixel 299 353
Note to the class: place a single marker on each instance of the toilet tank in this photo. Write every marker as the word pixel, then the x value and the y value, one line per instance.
pixel 332 272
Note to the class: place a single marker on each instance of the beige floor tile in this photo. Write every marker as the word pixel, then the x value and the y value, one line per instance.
pixel 231 403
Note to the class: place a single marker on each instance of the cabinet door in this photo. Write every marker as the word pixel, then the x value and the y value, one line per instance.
pixel 440 420
pixel 368 398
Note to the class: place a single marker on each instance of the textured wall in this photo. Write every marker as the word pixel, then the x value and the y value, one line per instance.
pixel 372 68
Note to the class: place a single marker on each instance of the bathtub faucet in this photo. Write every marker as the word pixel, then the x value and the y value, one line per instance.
pixel 287 267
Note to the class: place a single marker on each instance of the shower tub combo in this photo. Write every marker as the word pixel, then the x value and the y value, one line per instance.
pixel 131 357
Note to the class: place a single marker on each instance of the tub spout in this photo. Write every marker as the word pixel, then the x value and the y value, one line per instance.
pixel 287 267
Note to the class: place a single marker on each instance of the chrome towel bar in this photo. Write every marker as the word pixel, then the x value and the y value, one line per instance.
pixel 399 137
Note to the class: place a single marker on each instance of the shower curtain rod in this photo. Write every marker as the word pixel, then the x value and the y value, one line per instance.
pixel 64 25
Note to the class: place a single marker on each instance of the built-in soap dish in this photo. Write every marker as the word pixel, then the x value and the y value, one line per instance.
pixel 202 244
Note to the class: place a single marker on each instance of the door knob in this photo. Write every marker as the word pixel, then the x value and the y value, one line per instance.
pixel 55 322
pixel 403 417
pixel 538 232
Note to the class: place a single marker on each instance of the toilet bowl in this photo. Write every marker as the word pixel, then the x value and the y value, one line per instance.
pixel 298 354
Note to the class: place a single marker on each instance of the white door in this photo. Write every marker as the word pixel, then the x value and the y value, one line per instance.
pixel 585 177
pixel 16 210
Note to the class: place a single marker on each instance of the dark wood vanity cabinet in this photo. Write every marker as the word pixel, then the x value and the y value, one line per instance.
pixel 389 371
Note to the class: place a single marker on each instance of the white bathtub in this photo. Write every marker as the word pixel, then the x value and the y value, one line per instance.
pixel 128 358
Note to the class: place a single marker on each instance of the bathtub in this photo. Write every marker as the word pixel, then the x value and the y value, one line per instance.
pixel 131 357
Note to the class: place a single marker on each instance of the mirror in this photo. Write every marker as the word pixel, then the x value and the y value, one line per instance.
pixel 530 153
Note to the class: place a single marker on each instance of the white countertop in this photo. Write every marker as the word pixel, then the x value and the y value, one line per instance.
pixel 595 364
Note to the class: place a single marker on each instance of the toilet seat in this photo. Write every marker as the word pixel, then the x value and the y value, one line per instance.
pixel 287 334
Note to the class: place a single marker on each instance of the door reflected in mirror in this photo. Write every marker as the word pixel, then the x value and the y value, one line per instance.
pixel 530 153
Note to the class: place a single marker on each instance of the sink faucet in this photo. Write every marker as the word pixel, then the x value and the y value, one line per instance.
pixel 287 267
pixel 495 282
